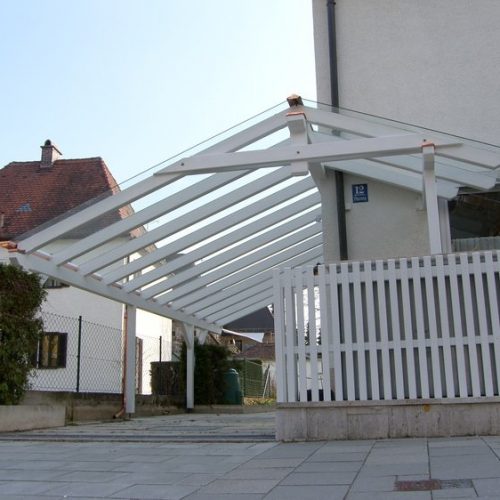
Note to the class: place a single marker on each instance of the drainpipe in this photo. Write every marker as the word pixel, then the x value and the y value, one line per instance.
pixel 334 95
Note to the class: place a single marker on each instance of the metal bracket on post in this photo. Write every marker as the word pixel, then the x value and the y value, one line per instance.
pixel 188 335
pixel 430 197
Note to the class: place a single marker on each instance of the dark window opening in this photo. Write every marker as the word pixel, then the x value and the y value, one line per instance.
pixel 53 283
pixel 51 352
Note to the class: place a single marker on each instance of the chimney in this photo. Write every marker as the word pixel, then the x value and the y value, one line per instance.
pixel 49 154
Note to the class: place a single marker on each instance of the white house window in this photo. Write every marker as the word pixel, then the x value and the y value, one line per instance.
pixel 51 351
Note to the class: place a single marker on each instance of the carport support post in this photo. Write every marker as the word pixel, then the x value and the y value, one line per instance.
pixel 431 199
pixel 130 326
pixel 188 334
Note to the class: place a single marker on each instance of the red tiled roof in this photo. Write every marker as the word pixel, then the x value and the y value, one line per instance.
pixel 31 196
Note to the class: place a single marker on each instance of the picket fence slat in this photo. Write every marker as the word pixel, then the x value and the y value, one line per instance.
pixel 422 327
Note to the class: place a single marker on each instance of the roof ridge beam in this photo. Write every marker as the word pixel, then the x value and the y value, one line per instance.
pixel 318 152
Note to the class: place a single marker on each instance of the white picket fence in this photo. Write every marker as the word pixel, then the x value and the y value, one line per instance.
pixel 423 327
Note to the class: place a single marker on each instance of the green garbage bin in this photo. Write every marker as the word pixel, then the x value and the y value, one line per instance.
pixel 232 393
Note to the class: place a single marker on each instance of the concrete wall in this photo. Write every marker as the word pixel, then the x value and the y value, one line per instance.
pixel 387 419
pixel 28 417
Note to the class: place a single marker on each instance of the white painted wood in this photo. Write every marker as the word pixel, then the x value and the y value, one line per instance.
pixel 384 334
pixel 309 257
pixel 258 300
pixel 313 332
pixel 326 332
pixel 335 312
pixel 431 204
pixel 188 335
pixel 290 339
pixel 207 232
pixel 233 299
pixel 459 338
pixel 494 304
pixel 360 330
pixel 252 244
pixel 301 336
pixel 375 370
pixel 279 337
pixel 326 151
pixel 469 325
pixel 433 333
pixel 192 292
pixel 372 169
pixel 171 227
pixel 95 211
pixel 111 292
pixel 396 332
pixel 347 330
pixel 480 300
pixel 137 219
pixel 130 362
pixel 442 295
pixel 419 315
pixel 407 329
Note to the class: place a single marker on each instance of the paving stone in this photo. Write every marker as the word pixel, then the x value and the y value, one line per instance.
pixel 223 486
pixel 486 487
pixel 307 493
pixel 329 467
pixel 318 478
pixel 98 490
pixel 396 495
pixel 372 484
pixel 263 473
pixel 454 493
pixel 155 491
pixel 465 467
pixel 217 496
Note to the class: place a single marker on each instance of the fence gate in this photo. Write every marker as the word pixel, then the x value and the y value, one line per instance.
pixel 423 327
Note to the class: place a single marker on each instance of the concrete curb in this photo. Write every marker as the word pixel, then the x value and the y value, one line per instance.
pixel 27 417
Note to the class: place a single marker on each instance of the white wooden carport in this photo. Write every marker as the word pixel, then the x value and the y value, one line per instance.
pixel 208 257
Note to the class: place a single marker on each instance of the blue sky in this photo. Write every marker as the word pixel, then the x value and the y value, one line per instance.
pixel 136 82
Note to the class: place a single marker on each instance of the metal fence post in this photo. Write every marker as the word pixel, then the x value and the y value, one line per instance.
pixel 78 355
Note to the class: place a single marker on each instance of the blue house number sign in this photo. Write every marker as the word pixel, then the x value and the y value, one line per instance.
pixel 359 193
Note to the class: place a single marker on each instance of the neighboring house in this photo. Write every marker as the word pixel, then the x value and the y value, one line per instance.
pixel 252 329
pixel 34 194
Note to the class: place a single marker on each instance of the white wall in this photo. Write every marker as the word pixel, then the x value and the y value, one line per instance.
pixel 390 224
pixel 433 63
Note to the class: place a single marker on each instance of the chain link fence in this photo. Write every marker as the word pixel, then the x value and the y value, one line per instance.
pixel 76 355
pixel 256 379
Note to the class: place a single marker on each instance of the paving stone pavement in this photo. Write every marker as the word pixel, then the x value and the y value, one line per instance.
pixel 228 457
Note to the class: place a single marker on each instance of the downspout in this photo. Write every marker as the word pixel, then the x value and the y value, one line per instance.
pixel 334 95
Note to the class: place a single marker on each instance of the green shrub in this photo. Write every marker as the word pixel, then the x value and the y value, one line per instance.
pixel 211 363
pixel 21 295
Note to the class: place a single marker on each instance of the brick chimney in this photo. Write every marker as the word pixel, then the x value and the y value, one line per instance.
pixel 50 154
